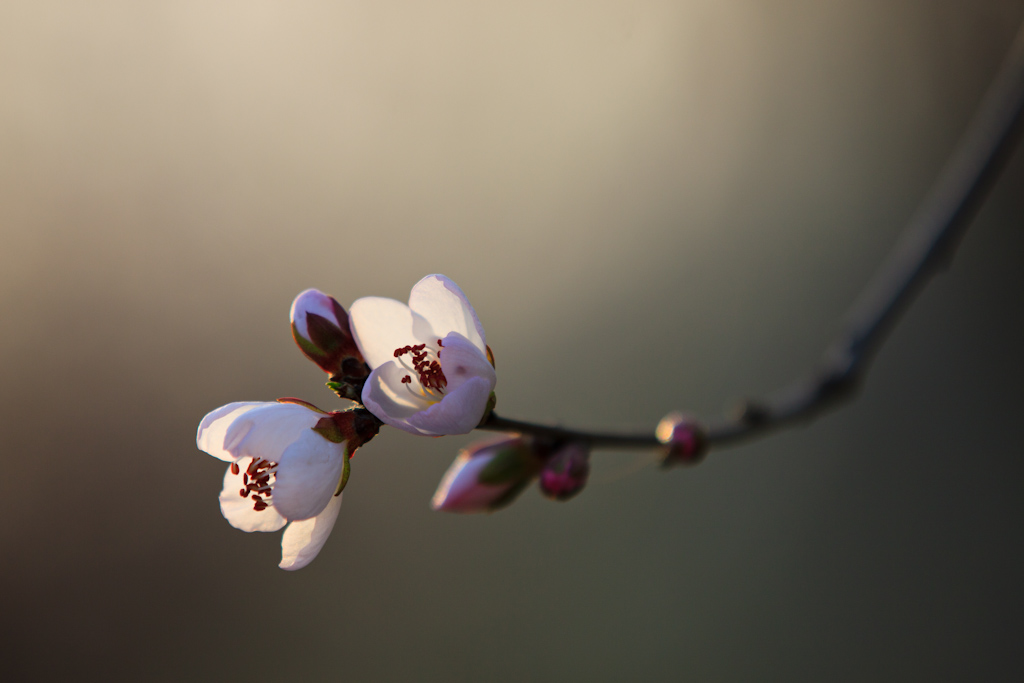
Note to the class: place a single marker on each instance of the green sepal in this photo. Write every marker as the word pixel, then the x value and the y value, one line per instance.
pixel 353 428
pixel 516 463
pixel 345 471
pixel 509 496
pixel 328 428
pixel 324 334
pixel 304 404
pixel 492 401
pixel 306 346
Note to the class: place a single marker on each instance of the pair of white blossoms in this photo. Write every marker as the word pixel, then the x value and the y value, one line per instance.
pixel 431 375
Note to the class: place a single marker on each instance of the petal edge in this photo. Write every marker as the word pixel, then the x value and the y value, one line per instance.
pixel 302 541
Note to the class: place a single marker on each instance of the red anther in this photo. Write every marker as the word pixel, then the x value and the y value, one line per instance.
pixel 256 478
pixel 234 468
pixel 429 371
pixel 440 344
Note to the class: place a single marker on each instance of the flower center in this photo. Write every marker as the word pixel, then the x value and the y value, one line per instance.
pixel 258 481
pixel 423 364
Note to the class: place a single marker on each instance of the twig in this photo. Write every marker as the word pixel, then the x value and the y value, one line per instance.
pixel 926 246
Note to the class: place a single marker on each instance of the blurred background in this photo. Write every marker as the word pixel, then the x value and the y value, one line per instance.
pixel 652 206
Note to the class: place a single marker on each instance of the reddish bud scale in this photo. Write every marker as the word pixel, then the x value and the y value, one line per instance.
pixel 684 437
pixel 300 402
pixel 353 427
pixel 566 471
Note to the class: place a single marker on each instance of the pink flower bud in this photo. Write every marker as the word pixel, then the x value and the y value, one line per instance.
pixel 487 476
pixel 320 327
pixel 565 472
pixel 685 439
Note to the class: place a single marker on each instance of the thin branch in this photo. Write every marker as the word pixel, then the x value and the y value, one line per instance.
pixel 595 439
pixel 926 246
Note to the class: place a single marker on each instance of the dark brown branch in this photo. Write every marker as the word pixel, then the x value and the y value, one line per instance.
pixel 595 439
pixel 926 246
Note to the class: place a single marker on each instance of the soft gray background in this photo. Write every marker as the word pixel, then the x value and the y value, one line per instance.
pixel 652 205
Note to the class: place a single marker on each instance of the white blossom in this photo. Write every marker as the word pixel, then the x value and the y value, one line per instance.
pixel 431 373
pixel 281 472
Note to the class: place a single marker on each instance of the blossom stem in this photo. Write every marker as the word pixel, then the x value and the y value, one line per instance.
pixel 926 247
pixel 595 439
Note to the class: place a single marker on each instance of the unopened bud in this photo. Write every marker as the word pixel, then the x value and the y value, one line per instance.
pixel 487 475
pixel 685 439
pixel 565 473
pixel 320 328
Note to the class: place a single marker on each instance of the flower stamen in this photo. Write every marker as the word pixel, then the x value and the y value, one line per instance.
pixel 424 362
pixel 258 480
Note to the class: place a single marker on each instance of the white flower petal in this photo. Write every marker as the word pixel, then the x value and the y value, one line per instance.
pixel 437 308
pixel 442 303
pixel 307 476
pixel 381 325
pixel 302 541
pixel 460 360
pixel 385 396
pixel 267 430
pixel 389 376
pixel 239 511
pixel 458 413
pixel 214 427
